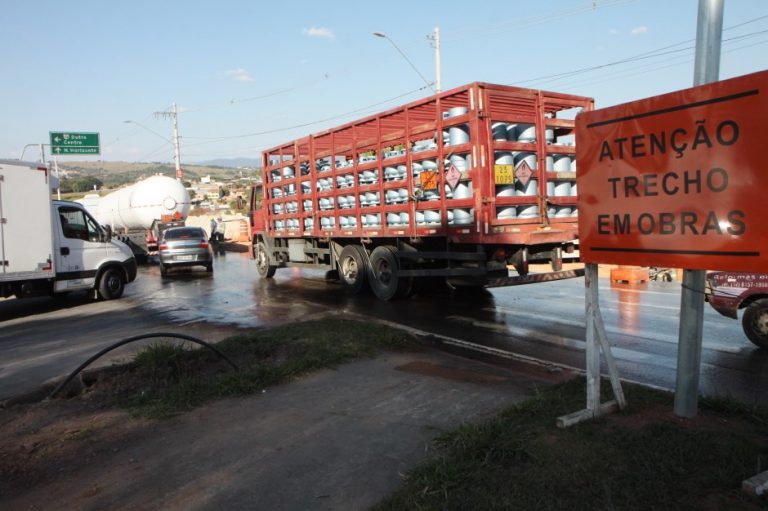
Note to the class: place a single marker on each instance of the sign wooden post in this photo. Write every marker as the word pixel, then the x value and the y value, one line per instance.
pixel 596 341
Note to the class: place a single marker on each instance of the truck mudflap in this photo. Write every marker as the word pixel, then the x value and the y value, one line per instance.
pixel 534 278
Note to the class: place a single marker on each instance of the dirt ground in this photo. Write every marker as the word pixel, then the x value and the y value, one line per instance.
pixel 336 439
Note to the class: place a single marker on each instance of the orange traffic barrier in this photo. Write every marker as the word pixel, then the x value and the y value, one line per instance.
pixel 629 274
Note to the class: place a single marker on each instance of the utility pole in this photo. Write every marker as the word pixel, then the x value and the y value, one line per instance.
pixel 706 69
pixel 176 153
pixel 436 45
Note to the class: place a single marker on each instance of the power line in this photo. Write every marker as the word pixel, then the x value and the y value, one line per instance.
pixel 518 23
pixel 229 103
pixel 653 66
pixel 675 61
pixel 153 152
pixel 641 56
pixel 304 125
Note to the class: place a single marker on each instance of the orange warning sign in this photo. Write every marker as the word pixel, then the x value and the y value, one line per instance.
pixel 677 180
pixel 428 179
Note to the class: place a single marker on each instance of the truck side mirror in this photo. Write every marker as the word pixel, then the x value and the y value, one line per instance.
pixel 107 232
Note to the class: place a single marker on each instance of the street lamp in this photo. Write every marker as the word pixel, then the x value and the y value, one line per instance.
pixel 385 36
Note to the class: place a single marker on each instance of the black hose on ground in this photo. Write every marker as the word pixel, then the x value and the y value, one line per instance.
pixel 133 339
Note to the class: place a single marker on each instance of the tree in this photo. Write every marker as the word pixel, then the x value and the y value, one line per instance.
pixel 80 184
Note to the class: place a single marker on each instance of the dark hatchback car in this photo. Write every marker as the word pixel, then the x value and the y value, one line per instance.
pixel 184 247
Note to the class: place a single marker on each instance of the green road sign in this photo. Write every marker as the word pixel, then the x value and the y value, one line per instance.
pixel 63 142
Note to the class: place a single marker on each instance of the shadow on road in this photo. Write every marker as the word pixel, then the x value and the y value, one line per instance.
pixel 14 308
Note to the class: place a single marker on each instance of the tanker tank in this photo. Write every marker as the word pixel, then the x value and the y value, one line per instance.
pixel 139 205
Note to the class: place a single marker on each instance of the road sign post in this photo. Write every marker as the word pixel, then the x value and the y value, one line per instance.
pixel 65 142
pixel 709 29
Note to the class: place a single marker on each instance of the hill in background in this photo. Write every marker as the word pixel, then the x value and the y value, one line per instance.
pixel 117 173
pixel 232 162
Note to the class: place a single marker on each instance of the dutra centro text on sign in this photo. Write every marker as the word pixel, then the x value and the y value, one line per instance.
pixel 677 180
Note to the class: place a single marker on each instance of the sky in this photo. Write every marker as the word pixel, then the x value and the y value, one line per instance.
pixel 249 75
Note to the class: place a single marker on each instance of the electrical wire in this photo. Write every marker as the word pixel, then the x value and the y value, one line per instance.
pixel 304 125
pixel 676 61
pixel 153 152
pixel 659 52
pixel 518 23
pixel 642 56
pixel 229 103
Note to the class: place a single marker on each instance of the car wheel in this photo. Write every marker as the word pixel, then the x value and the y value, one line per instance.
pixel 163 270
pixel 209 268
pixel 263 263
pixel 755 322
pixel 111 285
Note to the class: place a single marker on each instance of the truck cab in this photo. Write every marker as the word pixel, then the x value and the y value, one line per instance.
pixel 728 291
pixel 86 256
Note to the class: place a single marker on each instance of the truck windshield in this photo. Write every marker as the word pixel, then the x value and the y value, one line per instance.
pixel 75 224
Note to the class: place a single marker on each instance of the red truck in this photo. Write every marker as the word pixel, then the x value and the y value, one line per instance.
pixel 727 292
pixel 456 186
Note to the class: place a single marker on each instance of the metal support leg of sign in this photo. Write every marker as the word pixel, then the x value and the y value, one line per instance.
pixel 709 29
pixel 596 340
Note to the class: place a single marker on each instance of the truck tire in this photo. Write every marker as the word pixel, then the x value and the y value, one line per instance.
pixel 111 285
pixel 263 264
pixel 353 268
pixel 755 322
pixel 384 278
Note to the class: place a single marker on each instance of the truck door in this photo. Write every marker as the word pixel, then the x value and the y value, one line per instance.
pixel 79 248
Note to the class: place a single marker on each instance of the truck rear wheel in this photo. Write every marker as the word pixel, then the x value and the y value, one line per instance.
pixel 755 322
pixel 263 264
pixel 111 285
pixel 353 268
pixel 384 276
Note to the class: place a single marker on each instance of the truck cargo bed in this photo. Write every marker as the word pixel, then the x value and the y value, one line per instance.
pixel 481 163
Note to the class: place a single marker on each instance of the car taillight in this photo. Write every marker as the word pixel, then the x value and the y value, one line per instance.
pixel 203 244
pixel 162 247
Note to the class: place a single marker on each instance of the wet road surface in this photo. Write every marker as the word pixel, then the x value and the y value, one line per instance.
pixel 543 321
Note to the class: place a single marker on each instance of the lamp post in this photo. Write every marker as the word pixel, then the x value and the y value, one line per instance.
pixel 385 36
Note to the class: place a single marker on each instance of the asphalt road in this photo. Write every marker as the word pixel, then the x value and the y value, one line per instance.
pixel 45 338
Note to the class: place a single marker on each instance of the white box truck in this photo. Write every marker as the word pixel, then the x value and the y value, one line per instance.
pixel 50 246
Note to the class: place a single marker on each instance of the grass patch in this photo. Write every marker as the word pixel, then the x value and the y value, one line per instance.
pixel 166 379
pixel 639 459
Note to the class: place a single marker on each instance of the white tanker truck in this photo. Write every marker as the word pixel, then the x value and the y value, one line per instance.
pixel 138 213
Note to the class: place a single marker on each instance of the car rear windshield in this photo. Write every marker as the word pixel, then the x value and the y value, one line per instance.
pixel 177 234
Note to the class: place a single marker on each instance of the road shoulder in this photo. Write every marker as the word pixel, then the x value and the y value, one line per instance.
pixel 334 439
